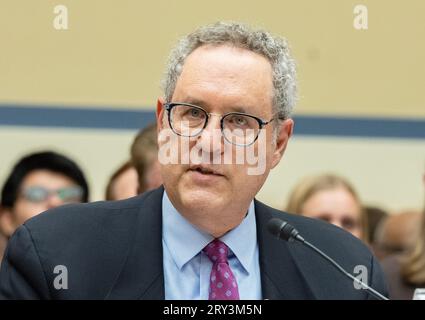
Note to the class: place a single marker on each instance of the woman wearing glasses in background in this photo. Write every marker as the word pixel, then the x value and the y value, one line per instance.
pixel 38 182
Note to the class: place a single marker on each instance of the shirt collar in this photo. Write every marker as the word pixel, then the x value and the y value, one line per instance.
pixel 185 241
pixel 242 240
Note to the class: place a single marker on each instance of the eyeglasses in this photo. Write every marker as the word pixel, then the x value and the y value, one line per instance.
pixel 238 128
pixel 40 194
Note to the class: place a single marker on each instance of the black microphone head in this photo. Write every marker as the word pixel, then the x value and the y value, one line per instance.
pixel 280 229
pixel 275 225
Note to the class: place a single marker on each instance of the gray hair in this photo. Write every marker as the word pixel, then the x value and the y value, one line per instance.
pixel 275 49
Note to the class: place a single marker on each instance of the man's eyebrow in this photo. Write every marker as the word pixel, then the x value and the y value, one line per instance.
pixel 195 101
pixel 203 104
pixel 238 109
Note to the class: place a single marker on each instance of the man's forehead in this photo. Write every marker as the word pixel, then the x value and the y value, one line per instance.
pixel 228 70
pixel 224 79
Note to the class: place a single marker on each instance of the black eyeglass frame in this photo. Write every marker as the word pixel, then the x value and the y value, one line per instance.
pixel 261 123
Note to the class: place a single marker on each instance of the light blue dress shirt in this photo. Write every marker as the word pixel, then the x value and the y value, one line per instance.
pixel 187 269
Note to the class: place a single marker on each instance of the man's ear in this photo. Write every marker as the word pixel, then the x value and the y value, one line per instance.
pixel 160 111
pixel 7 223
pixel 284 133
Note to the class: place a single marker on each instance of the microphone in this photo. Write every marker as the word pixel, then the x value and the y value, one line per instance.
pixel 284 231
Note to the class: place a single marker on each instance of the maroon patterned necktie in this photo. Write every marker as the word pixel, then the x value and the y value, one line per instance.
pixel 223 284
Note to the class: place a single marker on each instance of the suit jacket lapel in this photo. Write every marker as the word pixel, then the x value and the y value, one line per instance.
pixel 141 276
pixel 281 277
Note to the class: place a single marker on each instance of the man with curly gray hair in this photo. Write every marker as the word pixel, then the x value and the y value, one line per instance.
pixel 228 89
pixel 274 49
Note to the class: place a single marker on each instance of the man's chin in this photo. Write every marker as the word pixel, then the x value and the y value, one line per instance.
pixel 202 198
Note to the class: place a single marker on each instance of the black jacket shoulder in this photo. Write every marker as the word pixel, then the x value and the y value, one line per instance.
pixel 89 242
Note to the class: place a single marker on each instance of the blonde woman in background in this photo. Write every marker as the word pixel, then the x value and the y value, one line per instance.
pixel 330 198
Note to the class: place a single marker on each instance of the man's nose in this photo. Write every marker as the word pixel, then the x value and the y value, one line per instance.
pixel 211 138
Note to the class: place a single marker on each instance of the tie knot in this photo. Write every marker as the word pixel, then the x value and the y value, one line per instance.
pixel 216 251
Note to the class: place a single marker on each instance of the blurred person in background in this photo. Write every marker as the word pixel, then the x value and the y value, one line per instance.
pixel 142 172
pixel 397 233
pixel 38 182
pixel 123 184
pixel 373 216
pixel 3 242
pixel 405 272
pixel 144 157
pixel 330 198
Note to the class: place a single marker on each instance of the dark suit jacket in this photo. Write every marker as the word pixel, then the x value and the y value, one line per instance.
pixel 113 250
